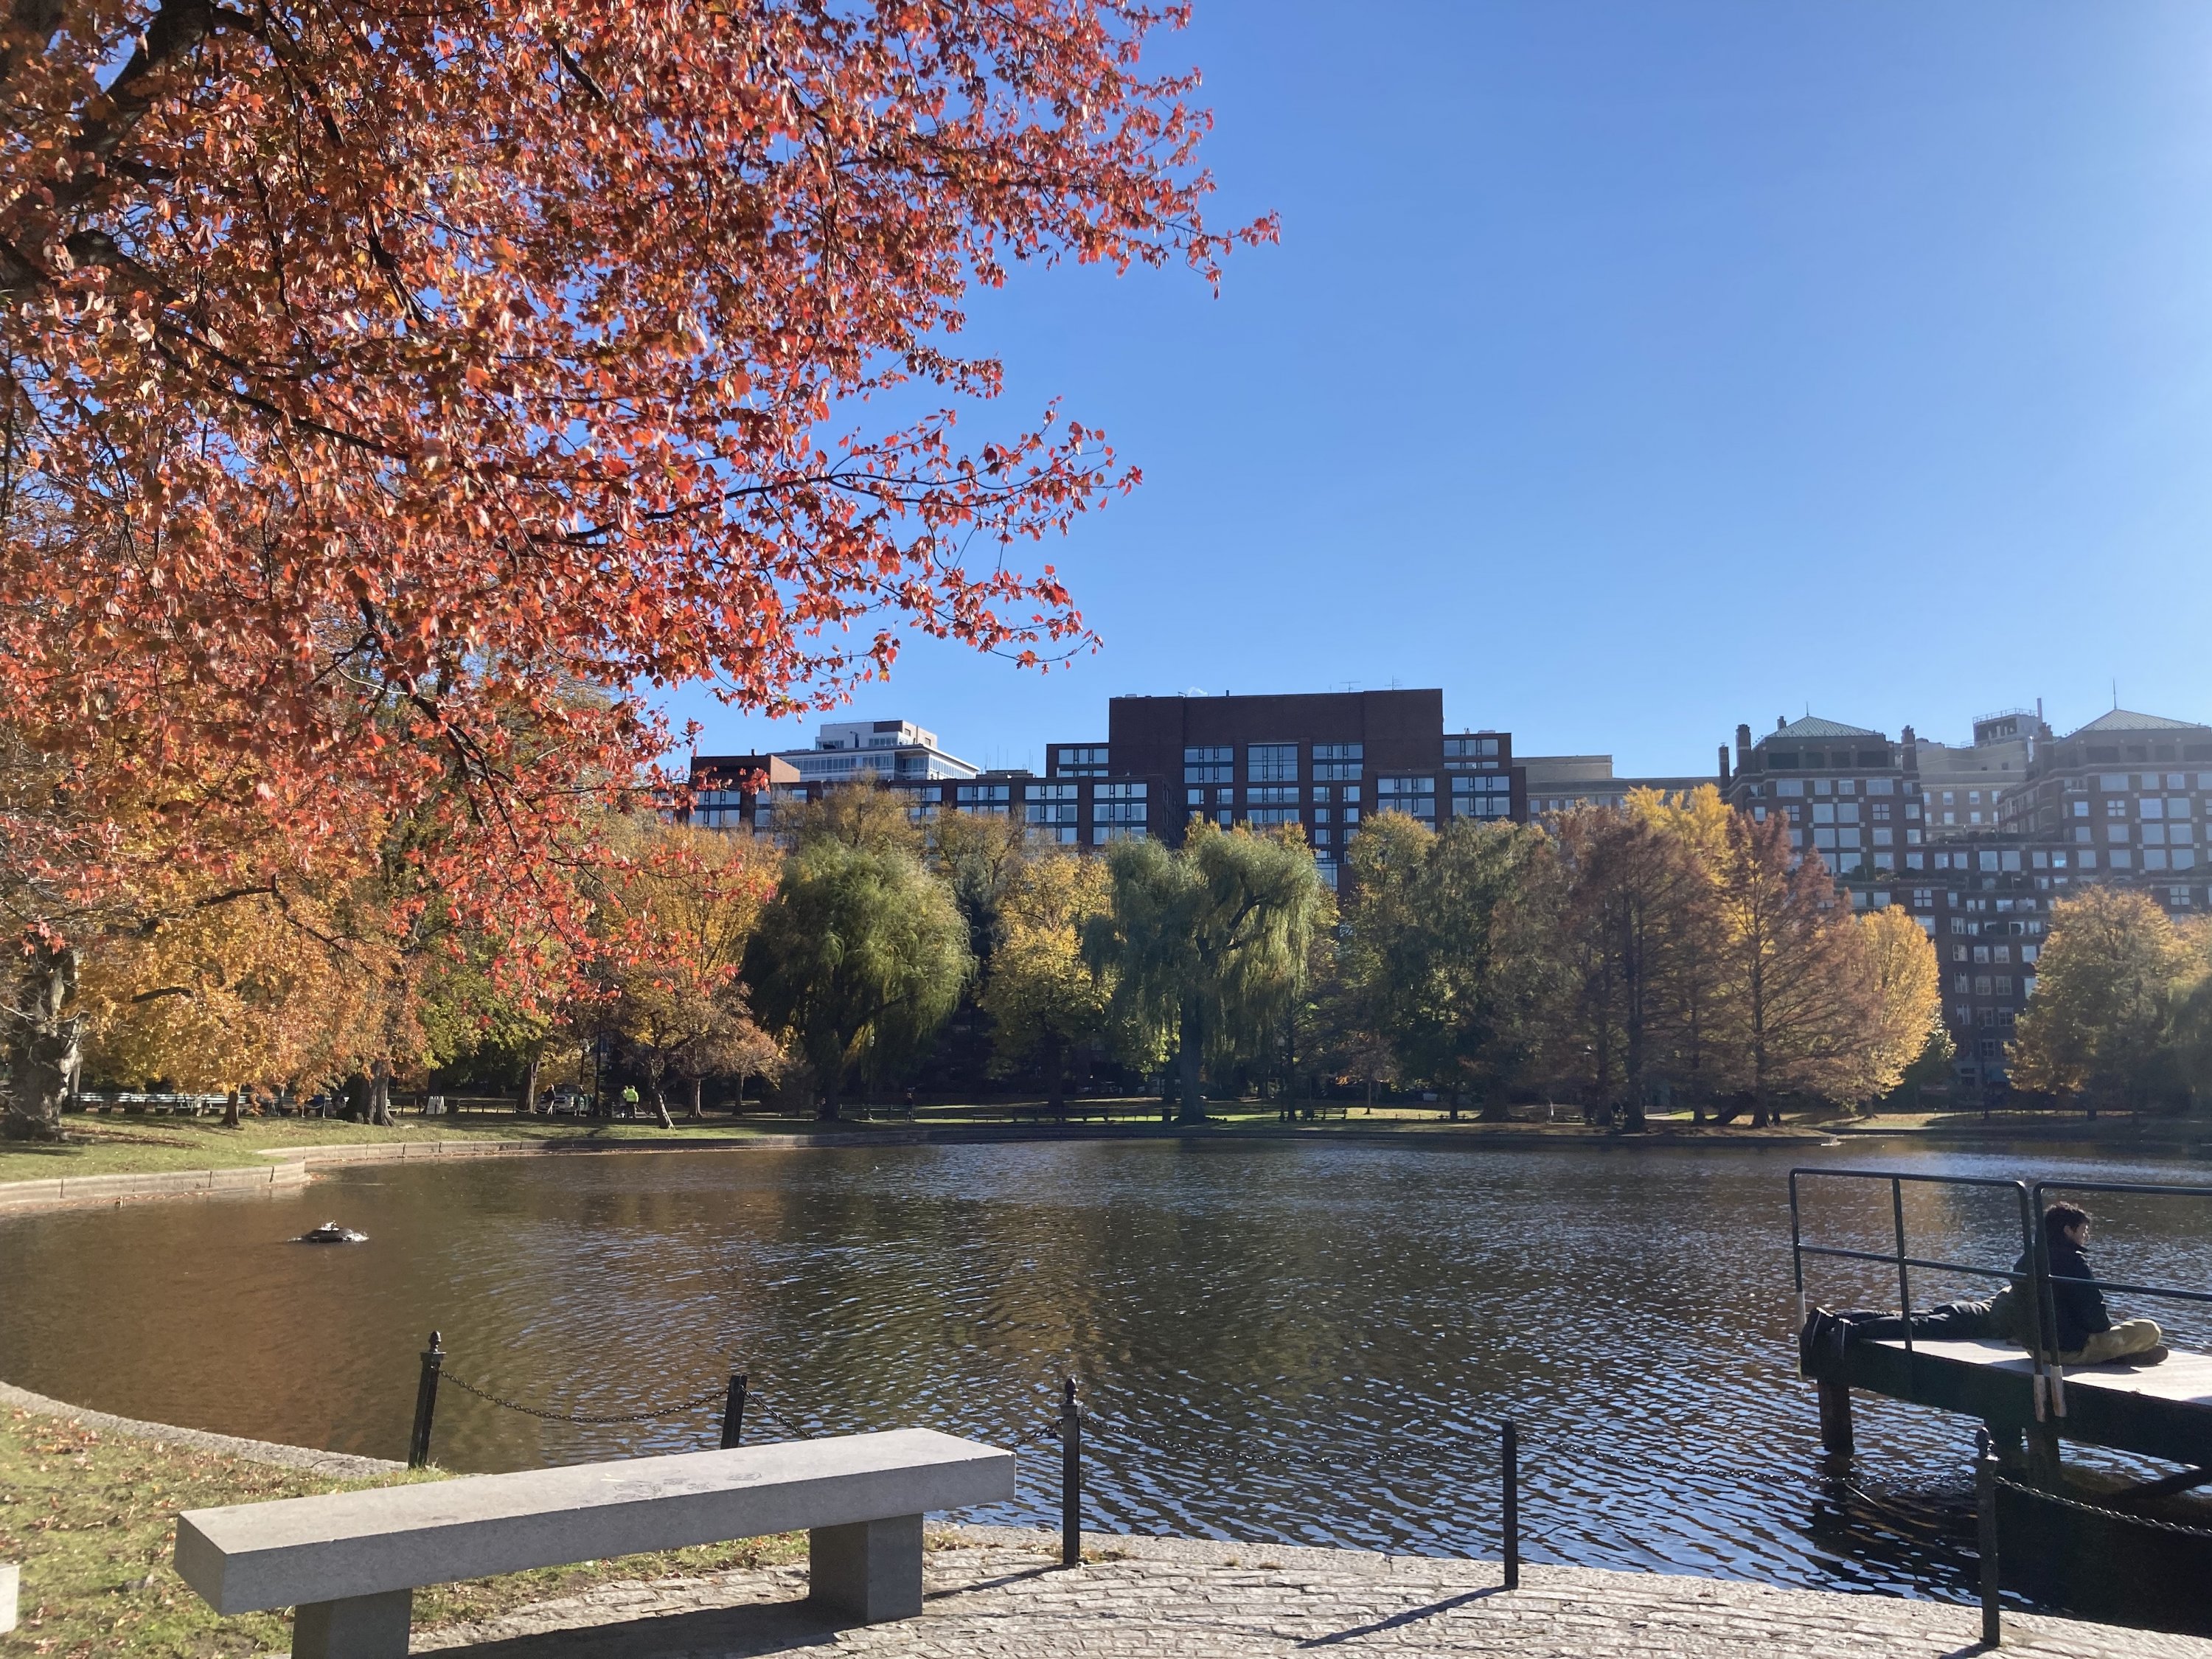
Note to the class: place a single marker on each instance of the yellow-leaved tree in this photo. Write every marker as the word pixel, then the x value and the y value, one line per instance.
pixel 227 993
pixel 1044 1000
pixel 679 911
pixel 2109 980
pixel 1908 1000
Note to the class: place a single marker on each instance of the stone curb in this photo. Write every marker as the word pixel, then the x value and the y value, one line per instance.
pixel 339 1466
pixel 65 1190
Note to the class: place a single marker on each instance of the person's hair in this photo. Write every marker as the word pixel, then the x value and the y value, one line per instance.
pixel 2063 1217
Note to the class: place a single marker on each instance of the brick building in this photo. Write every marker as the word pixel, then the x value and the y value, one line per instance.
pixel 1322 761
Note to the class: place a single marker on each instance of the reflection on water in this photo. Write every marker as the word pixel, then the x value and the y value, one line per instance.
pixel 1299 1342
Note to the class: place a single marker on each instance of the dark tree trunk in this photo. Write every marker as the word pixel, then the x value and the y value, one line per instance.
pixel 530 1086
pixel 1055 1066
pixel 1193 1108
pixel 42 1045
pixel 698 1101
pixel 380 1094
pixel 230 1110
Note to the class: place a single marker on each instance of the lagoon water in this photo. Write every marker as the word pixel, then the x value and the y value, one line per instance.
pixel 1299 1342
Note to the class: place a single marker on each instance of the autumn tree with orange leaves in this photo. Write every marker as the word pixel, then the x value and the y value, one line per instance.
pixel 388 394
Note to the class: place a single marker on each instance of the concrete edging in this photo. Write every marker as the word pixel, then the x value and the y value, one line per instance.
pixel 65 1190
pixel 342 1466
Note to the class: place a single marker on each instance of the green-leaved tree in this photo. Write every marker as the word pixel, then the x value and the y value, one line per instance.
pixel 1207 943
pixel 861 951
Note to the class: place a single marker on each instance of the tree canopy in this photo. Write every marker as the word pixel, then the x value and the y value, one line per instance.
pixel 391 400
pixel 859 957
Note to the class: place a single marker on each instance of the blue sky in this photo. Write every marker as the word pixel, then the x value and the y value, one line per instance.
pixel 1633 368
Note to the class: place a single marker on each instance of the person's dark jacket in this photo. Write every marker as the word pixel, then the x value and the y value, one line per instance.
pixel 2079 1305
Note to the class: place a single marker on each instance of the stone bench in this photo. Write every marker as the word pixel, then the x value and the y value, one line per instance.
pixel 351 1562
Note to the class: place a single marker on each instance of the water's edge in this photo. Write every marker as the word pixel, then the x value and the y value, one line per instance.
pixel 290 1166
pixel 340 1466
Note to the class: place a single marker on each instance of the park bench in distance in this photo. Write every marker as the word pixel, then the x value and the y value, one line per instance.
pixel 351 1562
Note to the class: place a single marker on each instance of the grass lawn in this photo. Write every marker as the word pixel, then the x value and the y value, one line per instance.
pixel 136 1145
pixel 92 1516
pixel 133 1146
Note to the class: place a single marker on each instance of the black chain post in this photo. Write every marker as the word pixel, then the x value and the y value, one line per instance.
pixel 1509 1462
pixel 426 1404
pixel 733 1411
pixel 1985 1504
pixel 1071 1476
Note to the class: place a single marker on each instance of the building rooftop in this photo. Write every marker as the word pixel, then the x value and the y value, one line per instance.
pixel 2127 719
pixel 1812 725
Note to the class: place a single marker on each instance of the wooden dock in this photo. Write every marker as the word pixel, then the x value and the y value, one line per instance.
pixel 2162 1409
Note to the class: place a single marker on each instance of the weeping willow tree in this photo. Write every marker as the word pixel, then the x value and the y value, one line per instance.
pixel 1208 943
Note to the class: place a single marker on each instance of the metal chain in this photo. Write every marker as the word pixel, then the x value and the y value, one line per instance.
pixel 467 1387
pixel 2150 1521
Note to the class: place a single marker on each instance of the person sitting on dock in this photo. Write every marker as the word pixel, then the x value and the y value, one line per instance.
pixel 2087 1335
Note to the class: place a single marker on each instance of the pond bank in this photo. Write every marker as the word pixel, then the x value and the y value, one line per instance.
pixel 274 1168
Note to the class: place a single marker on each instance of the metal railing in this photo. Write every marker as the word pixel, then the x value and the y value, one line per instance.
pixel 2046 1381
pixel 2046 1278
pixel 2034 1197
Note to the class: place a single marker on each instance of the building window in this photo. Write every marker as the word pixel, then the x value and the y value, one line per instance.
pixel 1337 762
pixel 1271 763
pixel 1195 796
pixel 1086 762
pixel 1470 748
pixel 1416 796
pixel 1104 833
pixel 1265 816
pixel 1041 812
pixel 1271 797
pixel 1209 764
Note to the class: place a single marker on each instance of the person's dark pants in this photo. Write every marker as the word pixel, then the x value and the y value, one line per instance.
pixel 1947 1321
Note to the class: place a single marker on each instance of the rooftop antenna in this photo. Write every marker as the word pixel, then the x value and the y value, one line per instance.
pixel 2116 692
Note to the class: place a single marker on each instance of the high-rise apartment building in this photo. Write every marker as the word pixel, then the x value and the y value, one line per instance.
pixel 1322 761
pixel 1843 789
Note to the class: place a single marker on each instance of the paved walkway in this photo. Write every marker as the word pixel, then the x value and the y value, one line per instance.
pixel 996 1594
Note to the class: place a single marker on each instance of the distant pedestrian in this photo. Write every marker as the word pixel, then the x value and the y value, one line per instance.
pixel 629 1100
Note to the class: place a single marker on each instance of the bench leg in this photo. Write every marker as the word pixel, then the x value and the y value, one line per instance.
pixel 869 1571
pixel 360 1627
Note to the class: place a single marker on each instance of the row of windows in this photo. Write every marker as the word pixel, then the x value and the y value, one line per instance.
pixel 1800 786
pixel 1470 748
pixel 1986 985
pixel 1271 795
pixel 1835 758
pixel 1986 954
pixel 2147 806
pixel 1482 783
pixel 1270 763
pixel 2117 783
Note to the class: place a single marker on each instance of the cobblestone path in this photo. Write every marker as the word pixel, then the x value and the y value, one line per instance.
pixel 997 1594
